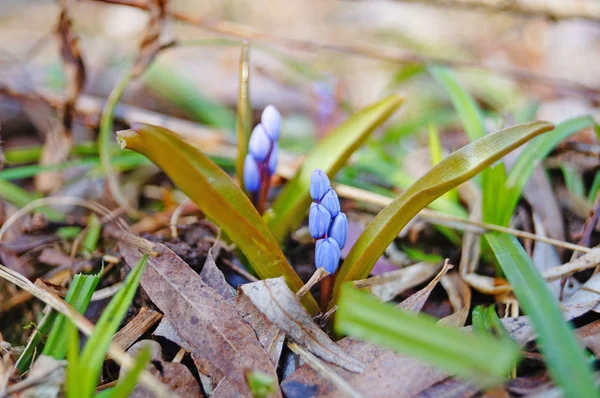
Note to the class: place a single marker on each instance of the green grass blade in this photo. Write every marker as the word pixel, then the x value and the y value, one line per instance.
pixel 244 112
pixel 563 354
pixel 452 171
pixel 495 206
pixel 436 153
pixel 464 104
pixel 418 335
pixel 330 155
pixel 218 197
pixel 535 152
pixel 19 197
pixel 95 349
pixel 126 385
pixel 74 371
pixel 92 236
pixel 573 181
pixel 78 296
pixel 183 93
pixel 594 188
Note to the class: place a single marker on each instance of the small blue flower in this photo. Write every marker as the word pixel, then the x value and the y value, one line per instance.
pixel 273 159
pixel 271 120
pixel 251 174
pixel 319 184
pixel 260 143
pixel 338 229
pixel 327 255
pixel 331 202
pixel 318 220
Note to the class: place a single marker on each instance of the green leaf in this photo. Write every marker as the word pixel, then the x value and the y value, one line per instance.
pixel 261 384
pixel 92 236
pixel 436 153
pixel 573 181
pixel 127 383
pixel 594 188
pixel 535 152
pixel 185 94
pixel 563 354
pixel 466 107
pixel 19 197
pixel 417 335
pixel 95 349
pixel 496 209
pixel 218 197
pixel 79 296
pixel 244 112
pixel 330 155
pixel 75 389
pixel 452 171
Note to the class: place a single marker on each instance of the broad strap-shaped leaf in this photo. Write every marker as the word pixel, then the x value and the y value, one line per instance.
pixel 418 335
pixel 330 155
pixel 449 173
pixel 218 197
pixel 563 355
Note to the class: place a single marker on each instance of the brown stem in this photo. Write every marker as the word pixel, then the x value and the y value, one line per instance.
pixel 326 290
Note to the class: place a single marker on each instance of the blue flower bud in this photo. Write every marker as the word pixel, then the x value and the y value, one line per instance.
pixel 319 184
pixel 338 230
pixel 331 202
pixel 272 165
pixel 251 174
pixel 260 143
pixel 327 255
pixel 271 120
pixel 318 220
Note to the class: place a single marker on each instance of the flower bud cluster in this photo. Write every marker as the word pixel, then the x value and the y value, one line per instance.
pixel 263 149
pixel 326 222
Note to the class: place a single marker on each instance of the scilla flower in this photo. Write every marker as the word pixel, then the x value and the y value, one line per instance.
pixel 261 161
pixel 326 222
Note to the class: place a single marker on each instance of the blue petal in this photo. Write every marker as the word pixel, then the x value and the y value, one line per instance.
pixel 251 174
pixel 339 229
pixel 327 255
pixel 272 165
pixel 318 220
pixel 319 184
pixel 331 202
pixel 271 120
pixel 260 143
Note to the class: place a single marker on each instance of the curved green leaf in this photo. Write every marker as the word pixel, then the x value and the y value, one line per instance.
pixel 330 155
pixel 563 354
pixel 218 197
pixel 452 171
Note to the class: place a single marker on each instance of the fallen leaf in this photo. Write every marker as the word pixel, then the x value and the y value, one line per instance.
pixel 387 374
pixel 459 294
pixel 222 345
pixel 417 300
pixel 47 376
pixel 176 376
pixel 590 335
pixel 268 334
pixel 388 285
pixel 277 302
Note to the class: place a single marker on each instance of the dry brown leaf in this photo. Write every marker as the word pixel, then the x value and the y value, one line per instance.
pixel 46 378
pixel 590 335
pixel 56 150
pixel 417 300
pixel 539 194
pixel 277 302
pixel 175 375
pixel 151 44
pixel 459 294
pixel 221 343
pixel 387 374
pixel 390 284
pixel 73 64
pixel 267 333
